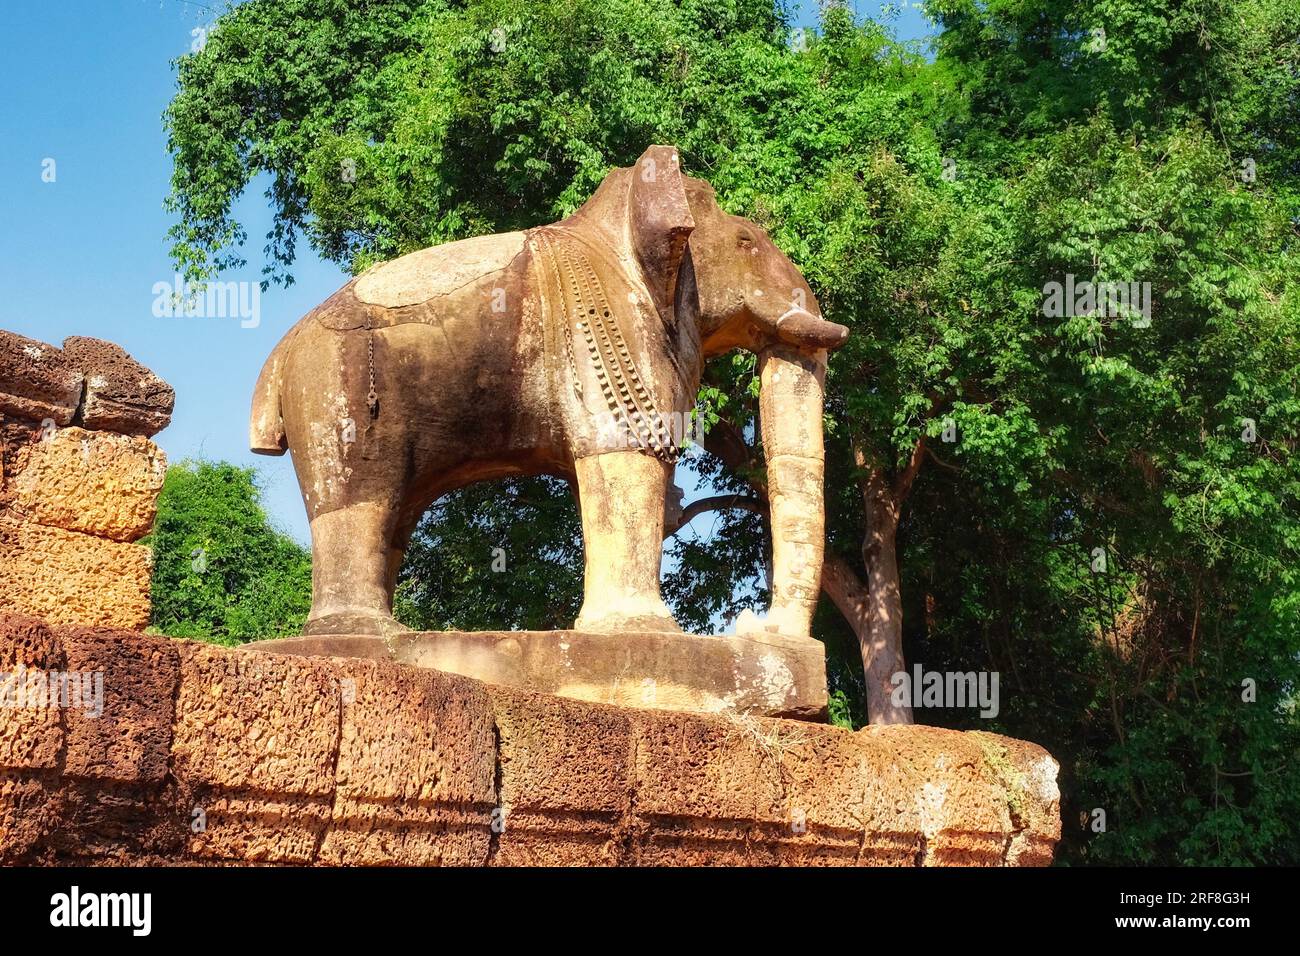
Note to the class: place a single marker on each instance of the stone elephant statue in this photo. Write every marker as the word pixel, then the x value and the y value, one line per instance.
pixel 573 349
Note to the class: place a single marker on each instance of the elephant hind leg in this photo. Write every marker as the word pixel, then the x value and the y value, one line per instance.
pixel 351 559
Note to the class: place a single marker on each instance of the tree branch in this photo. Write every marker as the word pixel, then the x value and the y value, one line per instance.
pixel 715 503
pixel 940 462
pixel 903 484
pixel 846 590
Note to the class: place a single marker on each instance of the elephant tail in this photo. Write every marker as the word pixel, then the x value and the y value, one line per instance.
pixel 266 434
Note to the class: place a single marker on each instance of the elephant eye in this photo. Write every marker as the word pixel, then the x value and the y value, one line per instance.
pixel 744 238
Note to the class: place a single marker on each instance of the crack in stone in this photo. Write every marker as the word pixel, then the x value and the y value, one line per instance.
pixel 334 775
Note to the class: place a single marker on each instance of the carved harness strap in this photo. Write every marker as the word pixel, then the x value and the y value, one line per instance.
pixel 585 308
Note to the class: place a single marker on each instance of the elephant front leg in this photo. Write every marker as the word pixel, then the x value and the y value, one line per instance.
pixel 791 401
pixel 621 497
pixel 351 571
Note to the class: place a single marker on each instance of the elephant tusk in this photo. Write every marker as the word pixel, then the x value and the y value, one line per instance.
pixel 801 328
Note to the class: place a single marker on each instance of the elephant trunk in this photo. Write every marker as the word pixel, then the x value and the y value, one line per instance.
pixel 790 410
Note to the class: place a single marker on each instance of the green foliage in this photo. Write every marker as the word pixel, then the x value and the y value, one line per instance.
pixel 1076 435
pixel 1088 432
pixel 477 561
pixel 460 118
pixel 221 572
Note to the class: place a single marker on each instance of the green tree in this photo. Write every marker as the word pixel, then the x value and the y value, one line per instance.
pixel 221 572
pixel 478 563
pixel 1165 153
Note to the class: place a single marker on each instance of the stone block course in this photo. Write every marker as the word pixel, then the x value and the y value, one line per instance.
pixel 267 758
pixel 66 577
pixel 97 483
pixel 37 383
pixel 121 394
pixel 79 480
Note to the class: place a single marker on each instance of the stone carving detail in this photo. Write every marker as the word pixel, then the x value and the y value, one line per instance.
pixel 582 307
pixel 573 349
pixel 79 480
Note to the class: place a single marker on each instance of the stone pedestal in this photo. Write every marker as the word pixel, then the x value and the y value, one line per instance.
pixel 767 676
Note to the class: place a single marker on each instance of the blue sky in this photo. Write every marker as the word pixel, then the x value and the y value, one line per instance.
pixel 85 83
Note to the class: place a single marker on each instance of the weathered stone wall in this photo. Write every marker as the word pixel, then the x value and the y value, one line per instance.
pixel 207 755
pixel 79 480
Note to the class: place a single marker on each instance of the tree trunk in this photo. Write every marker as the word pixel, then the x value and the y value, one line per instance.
pixel 882 655
pixel 881 644
pixel 881 640
pixel 875 610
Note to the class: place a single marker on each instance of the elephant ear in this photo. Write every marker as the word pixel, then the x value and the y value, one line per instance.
pixel 659 218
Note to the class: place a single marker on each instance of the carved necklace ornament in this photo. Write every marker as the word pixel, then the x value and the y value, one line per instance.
pixel 581 306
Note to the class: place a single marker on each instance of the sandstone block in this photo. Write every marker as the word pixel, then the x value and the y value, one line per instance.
pixel 1028 774
pixel 31 738
pixel 566 781
pixel 825 779
pixel 762 674
pixel 97 483
pixel 708 789
pixel 977 799
pixel 119 804
pixel 31 808
pixel 107 822
pixel 126 733
pixel 15 437
pixel 416 768
pixel 66 577
pixel 121 394
pixel 961 808
pixel 255 739
pixel 36 381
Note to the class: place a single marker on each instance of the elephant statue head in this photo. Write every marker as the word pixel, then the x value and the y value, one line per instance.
pixel 574 349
